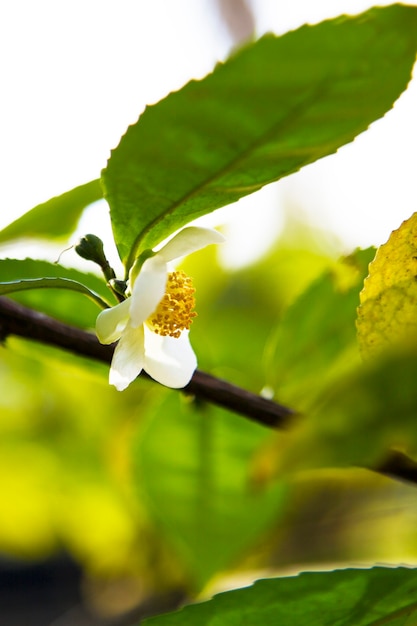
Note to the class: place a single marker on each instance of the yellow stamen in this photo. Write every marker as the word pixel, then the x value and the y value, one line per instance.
pixel 175 311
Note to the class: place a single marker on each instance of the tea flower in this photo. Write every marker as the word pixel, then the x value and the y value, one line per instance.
pixel 153 323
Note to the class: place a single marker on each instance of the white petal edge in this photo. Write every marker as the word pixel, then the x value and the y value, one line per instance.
pixel 148 290
pixel 168 360
pixel 128 358
pixel 187 241
pixel 111 322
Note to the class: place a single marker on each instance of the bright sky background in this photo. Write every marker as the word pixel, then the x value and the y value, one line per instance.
pixel 76 73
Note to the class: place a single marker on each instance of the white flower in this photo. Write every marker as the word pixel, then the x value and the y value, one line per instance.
pixel 152 325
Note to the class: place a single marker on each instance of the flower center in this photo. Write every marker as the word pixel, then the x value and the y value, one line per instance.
pixel 175 311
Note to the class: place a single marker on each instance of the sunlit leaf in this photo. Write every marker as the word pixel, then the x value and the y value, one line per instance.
pixel 387 313
pixel 56 218
pixel 192 468
pixel 273 107
pixel 346 597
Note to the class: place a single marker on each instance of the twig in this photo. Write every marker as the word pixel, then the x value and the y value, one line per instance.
pixel 18 320
pixel 399 466
pixel 238 18
pixel 21 321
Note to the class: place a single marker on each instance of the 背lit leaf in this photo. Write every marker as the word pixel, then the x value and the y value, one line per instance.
pixel 56 218
pixel 273 107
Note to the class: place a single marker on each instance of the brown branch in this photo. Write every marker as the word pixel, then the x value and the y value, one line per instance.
pixel 18 320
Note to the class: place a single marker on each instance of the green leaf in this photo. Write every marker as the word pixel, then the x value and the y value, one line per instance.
pixel 192 469
pixel 56 218
pixel 64 304
pixel 341 598
pixel 315 342
pixel 51 283
pixel 273 107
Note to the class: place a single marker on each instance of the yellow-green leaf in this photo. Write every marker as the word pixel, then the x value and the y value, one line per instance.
pixel 56 218
pixel 387 315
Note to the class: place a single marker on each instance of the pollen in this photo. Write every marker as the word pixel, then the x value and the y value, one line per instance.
pixel 175 311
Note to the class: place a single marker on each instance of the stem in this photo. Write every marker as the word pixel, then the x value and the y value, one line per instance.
pixel 18 320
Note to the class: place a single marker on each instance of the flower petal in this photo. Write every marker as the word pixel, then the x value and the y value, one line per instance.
pixel 187 241
pixel 168 360
pixel 111 322
pixel 128 358
pixel 148 290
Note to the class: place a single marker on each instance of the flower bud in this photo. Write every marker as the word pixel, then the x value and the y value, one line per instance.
pixel 90 247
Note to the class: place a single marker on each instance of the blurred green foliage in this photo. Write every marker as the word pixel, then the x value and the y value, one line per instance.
pixel 192 464
pixel 67 437
pixel 164 488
